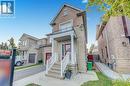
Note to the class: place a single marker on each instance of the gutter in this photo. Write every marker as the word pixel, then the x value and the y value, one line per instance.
pixel 125 26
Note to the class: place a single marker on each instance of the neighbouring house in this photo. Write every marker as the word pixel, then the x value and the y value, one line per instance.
pixel 95 53
pixel 69 39
pixel 113 39
pixel 33 49
pixel 45 50
pixel 28 48
pixel 95 50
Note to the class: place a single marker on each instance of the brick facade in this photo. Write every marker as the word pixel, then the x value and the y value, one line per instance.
pixel 114 47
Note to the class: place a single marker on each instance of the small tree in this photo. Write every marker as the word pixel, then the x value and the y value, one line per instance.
pixel 5 46
pixel 11 43
pixel 2 45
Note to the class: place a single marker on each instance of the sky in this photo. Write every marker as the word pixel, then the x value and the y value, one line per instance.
pixel 33 17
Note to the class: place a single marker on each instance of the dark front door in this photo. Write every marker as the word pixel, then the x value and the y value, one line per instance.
pixel 32 58
pixel 65 48
pixel 48 56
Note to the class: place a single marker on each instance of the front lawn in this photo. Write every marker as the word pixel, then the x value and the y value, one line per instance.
pixel 22 67
pixel 32 84
pixel 103 81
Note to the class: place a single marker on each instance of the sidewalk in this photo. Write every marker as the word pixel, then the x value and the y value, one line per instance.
pixel 42 80
pixel 110 73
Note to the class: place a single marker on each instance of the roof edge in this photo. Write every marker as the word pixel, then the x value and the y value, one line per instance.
pixel 61 10
pixel 24 34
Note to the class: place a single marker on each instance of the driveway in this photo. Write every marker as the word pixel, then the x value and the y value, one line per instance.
pixel 42 80
pixel 23 73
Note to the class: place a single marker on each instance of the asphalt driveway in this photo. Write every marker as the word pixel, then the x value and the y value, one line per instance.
pixel 23 73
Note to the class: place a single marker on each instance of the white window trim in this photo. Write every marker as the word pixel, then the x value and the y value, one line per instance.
pixel 71 20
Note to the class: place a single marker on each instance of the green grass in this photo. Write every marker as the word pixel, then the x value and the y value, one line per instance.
pixel 103 81
pixel 121 82
pixel 32 84
pixel 22 67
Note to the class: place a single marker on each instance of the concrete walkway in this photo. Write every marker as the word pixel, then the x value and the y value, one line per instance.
pixel 42 80
pixel 110 73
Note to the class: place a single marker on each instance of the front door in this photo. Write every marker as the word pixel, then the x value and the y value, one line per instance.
pixel 48 56
pixel 65 48
pixel 32 58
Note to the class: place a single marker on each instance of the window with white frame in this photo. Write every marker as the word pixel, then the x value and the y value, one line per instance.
pixel 65 12
pixel 24 43
pixel 66 25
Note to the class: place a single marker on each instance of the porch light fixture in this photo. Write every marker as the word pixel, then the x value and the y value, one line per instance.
pixel 124 44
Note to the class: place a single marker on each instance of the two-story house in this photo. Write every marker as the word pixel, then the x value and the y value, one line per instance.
pixel 69 39
pixel 65 46
pixel 113 39
pixel 33 49
pixel 28 48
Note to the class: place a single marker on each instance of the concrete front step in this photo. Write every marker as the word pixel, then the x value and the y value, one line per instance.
pixel 57 63
pixel 53 75
pixel 54 71
pixel 56 68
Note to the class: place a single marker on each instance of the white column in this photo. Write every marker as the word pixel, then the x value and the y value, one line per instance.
pixel 75 48
pixel 72 49
pixel 61 52
pixel 53 47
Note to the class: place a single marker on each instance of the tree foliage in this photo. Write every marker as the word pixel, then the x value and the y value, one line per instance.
pixel 111 7
pixel 12 43
pixel 4 46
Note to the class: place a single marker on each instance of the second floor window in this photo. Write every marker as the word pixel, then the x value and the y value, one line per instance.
pixel 67 25
pixel 24 43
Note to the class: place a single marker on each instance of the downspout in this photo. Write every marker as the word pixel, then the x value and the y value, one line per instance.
pixel 125 28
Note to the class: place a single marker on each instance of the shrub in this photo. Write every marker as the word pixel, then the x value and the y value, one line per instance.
pixel 40 61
